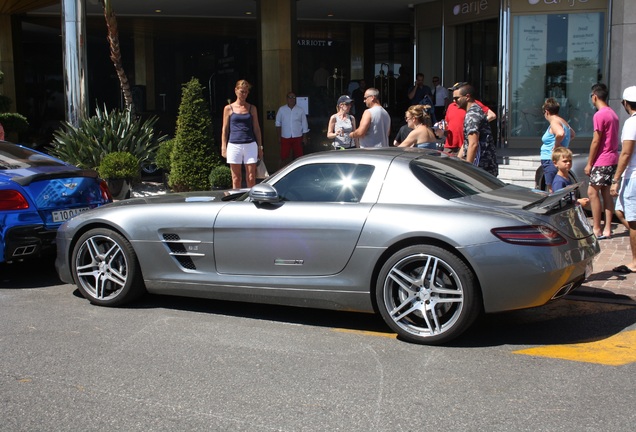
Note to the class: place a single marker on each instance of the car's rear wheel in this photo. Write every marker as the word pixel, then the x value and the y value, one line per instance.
pixel 427 294
pixel 106 269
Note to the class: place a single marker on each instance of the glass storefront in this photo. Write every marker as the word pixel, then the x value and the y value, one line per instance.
pixel 559 56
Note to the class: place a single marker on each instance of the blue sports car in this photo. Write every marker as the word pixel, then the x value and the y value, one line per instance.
pixel 37 194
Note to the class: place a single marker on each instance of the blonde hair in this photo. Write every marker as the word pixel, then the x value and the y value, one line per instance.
pixel 561 152
pixel 243 84
pixel 420 112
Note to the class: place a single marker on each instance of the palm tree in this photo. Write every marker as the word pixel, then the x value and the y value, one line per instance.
pixel 115 53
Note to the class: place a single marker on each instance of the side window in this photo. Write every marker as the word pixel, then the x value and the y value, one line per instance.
pixel 322 182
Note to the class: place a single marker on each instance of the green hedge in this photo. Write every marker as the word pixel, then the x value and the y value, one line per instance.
pixel 194 155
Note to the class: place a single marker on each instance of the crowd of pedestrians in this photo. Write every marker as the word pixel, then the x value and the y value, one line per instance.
pixel 437 114
pixel 433 117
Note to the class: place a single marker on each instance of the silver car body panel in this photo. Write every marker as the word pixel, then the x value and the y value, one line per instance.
pixel 327 255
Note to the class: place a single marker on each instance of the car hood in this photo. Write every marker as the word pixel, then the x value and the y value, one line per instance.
pixel 182 197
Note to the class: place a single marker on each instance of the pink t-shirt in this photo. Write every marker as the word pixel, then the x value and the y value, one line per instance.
pixel 606 124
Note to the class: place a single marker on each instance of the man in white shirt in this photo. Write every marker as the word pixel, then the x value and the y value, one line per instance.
pixel 291 126
pixel 625 187
pixel 440 99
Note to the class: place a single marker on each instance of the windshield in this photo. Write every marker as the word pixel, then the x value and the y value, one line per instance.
pixel 450 178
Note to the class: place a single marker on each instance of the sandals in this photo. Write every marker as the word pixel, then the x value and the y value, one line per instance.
pixel 622 269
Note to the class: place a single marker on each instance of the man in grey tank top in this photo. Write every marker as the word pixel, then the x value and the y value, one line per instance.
pixel 375 124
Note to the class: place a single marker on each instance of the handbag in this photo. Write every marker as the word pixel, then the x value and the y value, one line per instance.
pixel 261 170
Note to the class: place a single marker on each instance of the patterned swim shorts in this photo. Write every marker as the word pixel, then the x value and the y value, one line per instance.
pixel 602 175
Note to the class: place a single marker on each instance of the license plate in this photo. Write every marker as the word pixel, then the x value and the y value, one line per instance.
pixel 64 215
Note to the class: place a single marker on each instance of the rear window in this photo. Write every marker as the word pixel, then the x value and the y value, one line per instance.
pixel 16 157
pixel 450 178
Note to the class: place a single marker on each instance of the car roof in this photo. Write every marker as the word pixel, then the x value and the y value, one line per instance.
pixel 370 153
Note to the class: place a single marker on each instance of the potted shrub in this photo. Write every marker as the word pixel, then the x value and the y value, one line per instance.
pixel 221 177
pixel 119 169
pixel 164 158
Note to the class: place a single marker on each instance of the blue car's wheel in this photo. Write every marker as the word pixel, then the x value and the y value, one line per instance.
pixel 105 268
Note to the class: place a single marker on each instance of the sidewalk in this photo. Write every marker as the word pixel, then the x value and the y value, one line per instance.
pixel 604 283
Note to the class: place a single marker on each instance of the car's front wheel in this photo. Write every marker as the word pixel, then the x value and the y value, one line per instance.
pixel 427 294
pixel 105 268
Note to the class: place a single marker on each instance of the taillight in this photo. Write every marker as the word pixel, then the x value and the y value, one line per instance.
pixel 12 200
pixel 106 195
pixel 531 235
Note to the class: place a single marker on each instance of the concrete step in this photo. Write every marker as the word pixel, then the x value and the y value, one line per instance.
pixel 524 161
pixel 519 182
pixel 517 171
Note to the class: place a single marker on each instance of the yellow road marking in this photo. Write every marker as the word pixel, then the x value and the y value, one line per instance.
pixel 617 350
pixel 367 333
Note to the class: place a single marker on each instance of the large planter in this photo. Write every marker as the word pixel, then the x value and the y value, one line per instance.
pixel 120 188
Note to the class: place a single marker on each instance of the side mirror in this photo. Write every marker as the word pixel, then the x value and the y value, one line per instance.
pixel 264 193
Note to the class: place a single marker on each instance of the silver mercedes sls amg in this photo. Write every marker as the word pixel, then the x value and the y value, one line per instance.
pixel 424 239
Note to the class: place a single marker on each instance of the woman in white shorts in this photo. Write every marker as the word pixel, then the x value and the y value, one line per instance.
pixel 241 136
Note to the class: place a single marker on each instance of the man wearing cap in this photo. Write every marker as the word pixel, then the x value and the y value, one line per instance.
pixel 291 126
pixel 375 124
pixel 625 188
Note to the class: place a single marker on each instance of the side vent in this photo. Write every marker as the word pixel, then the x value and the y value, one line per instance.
pixel 182 250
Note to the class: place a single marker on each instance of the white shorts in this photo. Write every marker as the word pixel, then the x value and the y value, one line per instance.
pixel 626 201
pixel 242 153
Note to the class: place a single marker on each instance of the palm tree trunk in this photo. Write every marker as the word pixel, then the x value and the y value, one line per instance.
pixel 115 53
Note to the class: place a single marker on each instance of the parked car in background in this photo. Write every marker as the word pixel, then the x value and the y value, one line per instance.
pixel 426 240
pixel 37 194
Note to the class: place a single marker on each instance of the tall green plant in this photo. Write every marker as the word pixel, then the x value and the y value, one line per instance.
pixel 194 154
pixel 106 132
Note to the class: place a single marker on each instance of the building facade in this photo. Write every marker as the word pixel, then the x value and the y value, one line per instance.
pixel 515 52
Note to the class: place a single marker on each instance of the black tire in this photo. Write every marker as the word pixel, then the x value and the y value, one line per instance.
pixel 427 295
pixel 105 268
pixel 149 168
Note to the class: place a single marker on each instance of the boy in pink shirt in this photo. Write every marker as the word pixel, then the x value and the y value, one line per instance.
pixel 601 163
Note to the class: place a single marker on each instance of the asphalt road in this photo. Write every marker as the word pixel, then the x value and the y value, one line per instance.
pixel 169 364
